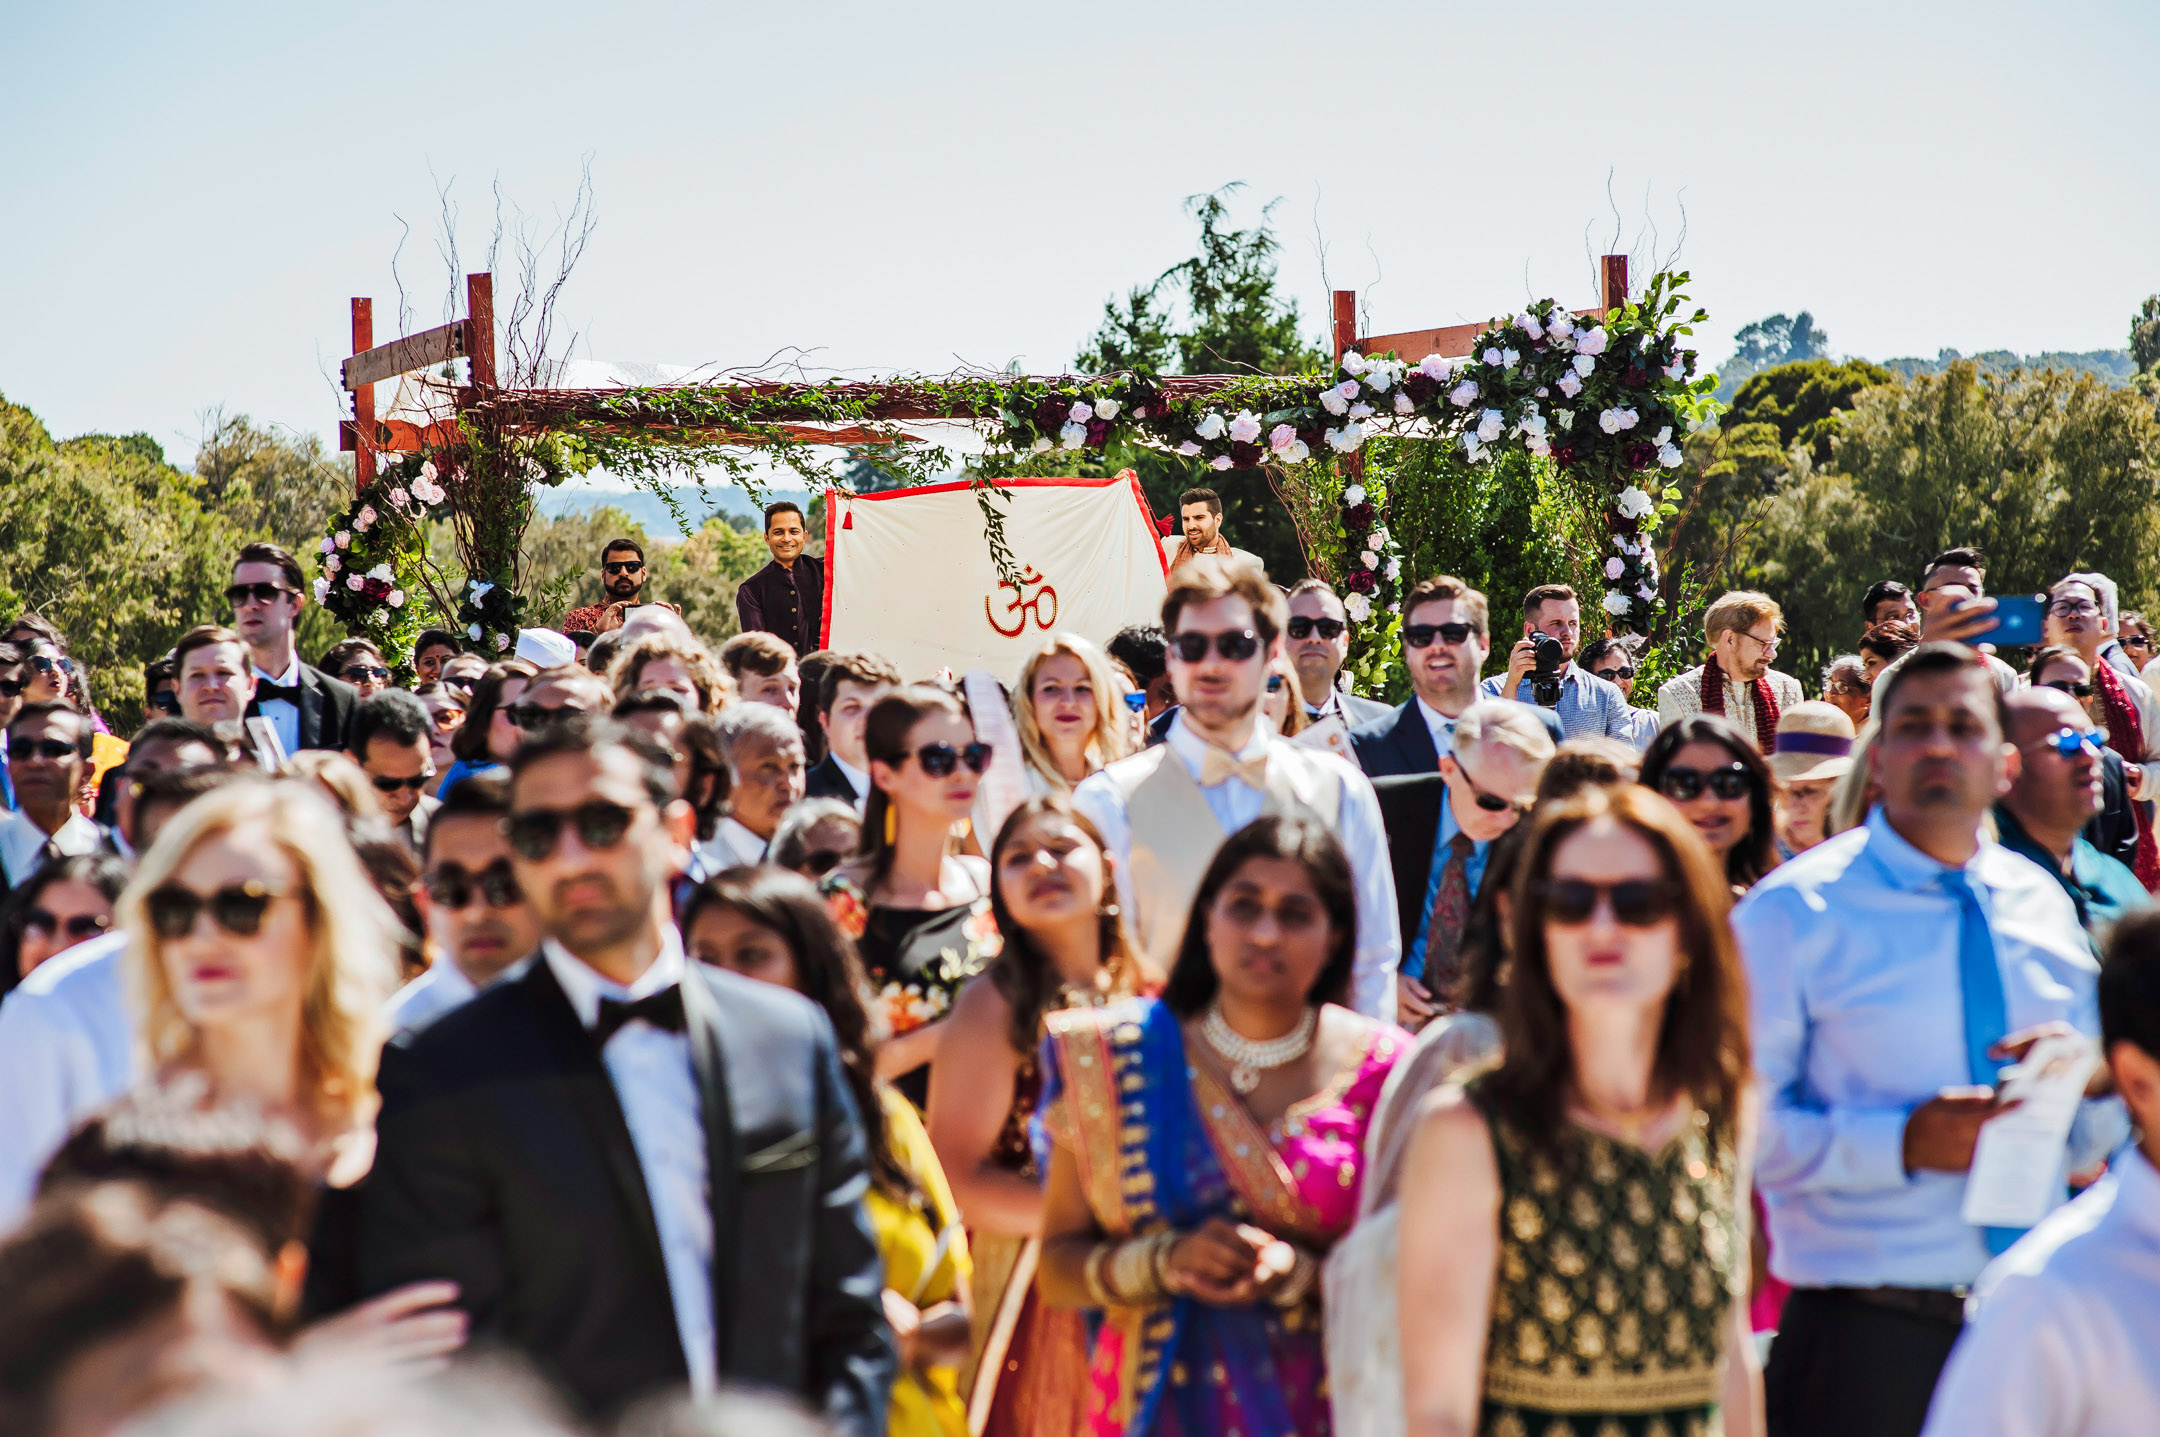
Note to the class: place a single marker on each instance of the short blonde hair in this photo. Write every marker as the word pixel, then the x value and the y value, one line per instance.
pixel 351 972
pixel 341 778
pixel 715 689
pixel 1505 724
pixel 1740 610
pixel 1106 744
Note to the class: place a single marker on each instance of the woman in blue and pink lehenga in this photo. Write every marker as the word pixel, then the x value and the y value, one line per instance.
pixel 1206 1150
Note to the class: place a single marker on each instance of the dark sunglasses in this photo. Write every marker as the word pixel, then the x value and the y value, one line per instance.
pixel 1420 636
pixel 451 887
pixel 534 833
pixel 1330 629
pixel 83 925
pixel 47 664
pixel 391 785
pixel 1637 903
pixel 2136 641
pixel 238 908
pixel 2068 741
pixel 1625 671
pixel 2076 691
pixel 533 716
pixel 1490 802
pixel 1236 645
pixel 1685 785
pixel 356 673
pixel 167 703
pixel 239 594
pixel 621 567
pixel 940 759
pixel 21 750
pixel 820 861
pixel 463 686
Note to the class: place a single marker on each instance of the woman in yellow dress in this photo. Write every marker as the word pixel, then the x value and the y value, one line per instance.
pixel 771 925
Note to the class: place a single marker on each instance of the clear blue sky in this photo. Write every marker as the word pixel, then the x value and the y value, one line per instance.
pixel 191 192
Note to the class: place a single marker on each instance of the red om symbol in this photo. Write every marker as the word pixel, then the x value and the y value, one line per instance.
pixel 1021 607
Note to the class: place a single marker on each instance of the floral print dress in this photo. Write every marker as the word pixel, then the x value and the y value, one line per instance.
pixel 917 959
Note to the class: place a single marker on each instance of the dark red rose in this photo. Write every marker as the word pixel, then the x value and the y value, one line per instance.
pixel 1634 377
pixel 1564 455
pixel 1640 454
pixel 375 589
pixel 1051 412
pixel 1421 387
pixel 1098 433
pixel 1245 456
pixel 1362 581
pixel 1360 516
pixel 1315 437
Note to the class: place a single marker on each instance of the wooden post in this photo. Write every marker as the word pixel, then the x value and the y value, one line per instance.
pixel 1345 321
pixel 480 329
pixel 363 340
pixel 1615 281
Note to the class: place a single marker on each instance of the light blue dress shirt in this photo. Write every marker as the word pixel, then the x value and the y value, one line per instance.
pixel 1473 869
pixel 1589 707
pixel 1852 960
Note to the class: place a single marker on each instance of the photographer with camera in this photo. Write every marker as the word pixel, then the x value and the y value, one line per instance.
pixel 1542 670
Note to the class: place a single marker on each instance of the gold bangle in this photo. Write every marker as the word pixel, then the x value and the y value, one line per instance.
pixel 1091 1274
pixel 1298 1286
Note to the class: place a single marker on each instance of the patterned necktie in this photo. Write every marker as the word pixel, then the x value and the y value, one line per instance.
pixel 1450 915
pixel 1986 1007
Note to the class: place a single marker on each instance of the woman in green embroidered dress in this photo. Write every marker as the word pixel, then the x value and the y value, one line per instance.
pixel 1573 1239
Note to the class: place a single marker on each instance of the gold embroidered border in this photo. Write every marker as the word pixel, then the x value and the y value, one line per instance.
pixel 1258 1172
pixel 1091 1105
pixel 1600 1392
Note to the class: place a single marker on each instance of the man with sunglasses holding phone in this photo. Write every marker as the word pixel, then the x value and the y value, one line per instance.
pixel 2058 791
pixel 1319 645
pixel 668 1186
pixel 1163 812
pixel 48 749
pixel 479 925
pixel 307 707
pixel 393 738
pixel 1893 969
pixel 1445 640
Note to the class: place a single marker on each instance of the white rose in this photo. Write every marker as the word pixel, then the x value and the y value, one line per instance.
pixel 1530 325
pixel 1570 385
pixel 1040 445
pixel 1354 495
pixel 502 641
pixel 1539 445
pixel 1106 408
pixel 1676 371
pixel 1403 405
pixel 1081 412
pixel 1358 607
pixel 1472 450
pixel 344 538
pixel 1346 439
pixel 1211 426
pixel 1297 453
pixel 353 582
pixel 1490 425
pixel 1332 401
pixel 1669 456
pixel 1615 567
pixel 1220 461
pixel 1072 436
pixel 1584 364
pixel 329 546
pixel 1629 419
pixel 1491 357
pixel 332 564
pixel 1591 343
pixel 1354 363
pixel 1369 559
pixel 1380 376
pixel 1245 429
pixel 480 590
pixel 1463 395
pixel 1378 538
pixel 1508 357
pixel 322 590
pixel 1532 423
pixel 1361 410
pixel 1188 449
pixel 427 470
pixel 1616 603
pixel 1664 436
pixel 472 631
pixel 1437 367
pixel 1609 421
pixel 1281 437
pixel 1394 568
pixel 397 598
pixel 380 571
pixel 1633 503
pixel 1566 418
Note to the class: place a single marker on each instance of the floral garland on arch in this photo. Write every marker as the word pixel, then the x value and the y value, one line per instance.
pixel 371 562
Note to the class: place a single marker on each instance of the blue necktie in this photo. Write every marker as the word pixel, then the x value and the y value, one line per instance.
pixel 1987 1008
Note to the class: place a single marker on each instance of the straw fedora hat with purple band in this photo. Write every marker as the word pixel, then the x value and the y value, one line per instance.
pixel 1814 740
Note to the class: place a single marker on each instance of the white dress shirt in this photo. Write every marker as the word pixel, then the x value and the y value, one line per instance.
pixel 67 1048
pixel 2063 1337
pixel 1439 725
pixel 22 841
pixel 858 779
pixel 1852 959
pixel 731 846
pixel 444 986
pixel 1236 803
pixel 283 716
pixel 657 1089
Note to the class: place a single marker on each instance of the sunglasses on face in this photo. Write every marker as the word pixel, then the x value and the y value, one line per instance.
pixel 2070 741
pixel 362 673
pixel 166 703
pixel 43 924
pixel 1637 903
pixel 1490 802
pixel 1274 683
pixel 239 594
pixel 940 759
pixel 1685 785
pixel 22 750
pixel 1329 629
pixel 451 887
pixel 534 833
pixel 1136 703
pixel 391 785
pixel 463 686
pixel 1625 671
pixel 14 686
pixel 821 861
pixel 619 567
pixel 1236 645
pixel 2136 641
pixel 533 716
pixel 1420 636
pixel 237 908
pixel 49 664
pixel 2076 691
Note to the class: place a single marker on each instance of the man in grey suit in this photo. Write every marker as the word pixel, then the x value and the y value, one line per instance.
pixel 1318 642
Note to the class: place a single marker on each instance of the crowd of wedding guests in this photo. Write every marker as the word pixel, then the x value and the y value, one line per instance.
pixel 623 1035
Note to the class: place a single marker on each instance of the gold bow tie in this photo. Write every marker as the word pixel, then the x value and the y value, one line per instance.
pixel 1215 766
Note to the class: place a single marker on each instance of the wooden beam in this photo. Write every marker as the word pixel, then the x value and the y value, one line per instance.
pixel 430 347
pixel 480 329
pixel 363 339
pixel 1615 281
pixel 1345 322
pixel 396 436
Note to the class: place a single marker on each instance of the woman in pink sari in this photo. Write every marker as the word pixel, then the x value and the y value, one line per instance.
pixel 1207 1149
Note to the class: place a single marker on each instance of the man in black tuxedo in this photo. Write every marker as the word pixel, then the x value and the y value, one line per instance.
pixel 638 1170
pixel 307 707
pixel 1445 639
pixel 850 684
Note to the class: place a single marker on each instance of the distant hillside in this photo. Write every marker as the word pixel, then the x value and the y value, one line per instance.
pixel 2112 365
pixel 651 513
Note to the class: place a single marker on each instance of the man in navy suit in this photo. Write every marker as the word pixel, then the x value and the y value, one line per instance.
pixel 1445 639
pixel 1318 644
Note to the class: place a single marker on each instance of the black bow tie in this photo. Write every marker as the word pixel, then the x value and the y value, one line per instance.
pixel 662 1009
pixel 266 691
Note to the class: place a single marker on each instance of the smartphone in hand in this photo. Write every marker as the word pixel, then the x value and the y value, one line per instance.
pixel 2018 619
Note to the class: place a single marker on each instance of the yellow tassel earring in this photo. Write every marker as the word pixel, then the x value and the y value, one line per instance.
pixel 892 826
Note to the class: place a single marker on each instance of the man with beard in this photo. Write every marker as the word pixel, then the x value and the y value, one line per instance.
pixel 478 921
pixel 622 578
pixel 1319 645
pixel 1588 707
pixel 1737 682
pixel 1200 520
pixel 1445 640
pixel 1164 811
pixel 1892 969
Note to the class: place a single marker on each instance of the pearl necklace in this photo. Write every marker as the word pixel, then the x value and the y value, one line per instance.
pixel 1248 1058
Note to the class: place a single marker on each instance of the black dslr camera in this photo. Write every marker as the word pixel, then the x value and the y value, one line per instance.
pixel 1545 678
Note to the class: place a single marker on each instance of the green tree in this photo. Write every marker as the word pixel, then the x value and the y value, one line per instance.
pixel 2145 335
pixel 1778 339
pixel 272 480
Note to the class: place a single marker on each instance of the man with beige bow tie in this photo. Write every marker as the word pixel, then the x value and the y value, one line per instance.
pixel 1164 812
